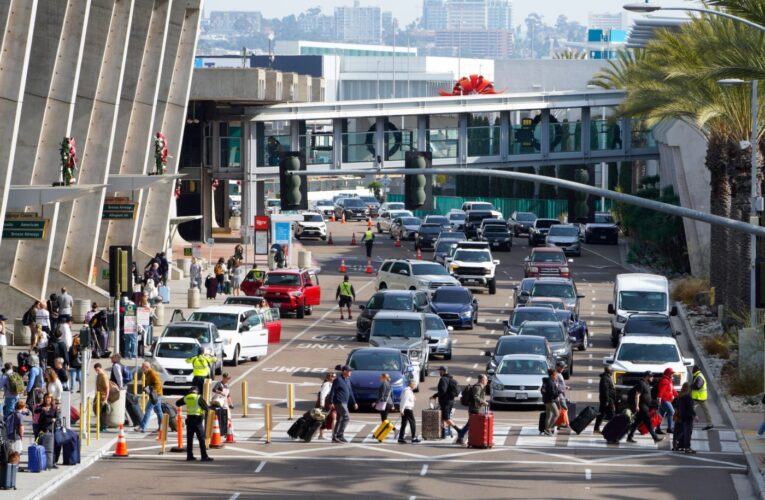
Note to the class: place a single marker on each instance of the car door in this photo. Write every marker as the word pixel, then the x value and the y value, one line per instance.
pixel 399 273
pixel 256 335
pixel 217 343
pixel 383 221
pixel 273 324
pixel 421 302
pixel 312 288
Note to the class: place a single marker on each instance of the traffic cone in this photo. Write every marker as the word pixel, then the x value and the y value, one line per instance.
pixel 343 221
pixel 369 267
pixel 215 439
pixel 330 241
pixel 342 266
pixel 419 254
pixel 334 219
pixel 353 239
pixel 159 433
pixel 121 450
pixel 398 242
pixel 230 433
pixel 179 424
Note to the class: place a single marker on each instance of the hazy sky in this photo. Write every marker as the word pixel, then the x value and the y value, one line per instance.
pixel 407 10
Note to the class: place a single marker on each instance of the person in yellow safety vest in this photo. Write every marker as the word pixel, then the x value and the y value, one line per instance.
pixel 346 294
pixel 196 407
pixel 699 395
pixel 202 364
pixel 369 240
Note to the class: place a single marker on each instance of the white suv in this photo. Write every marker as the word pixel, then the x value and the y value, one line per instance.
pixel 312 226
pixel 244 334
pixel 474 267
pixel 409 274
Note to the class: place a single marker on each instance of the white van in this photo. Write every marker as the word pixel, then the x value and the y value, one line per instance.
pixel 638 293
pixel 244 334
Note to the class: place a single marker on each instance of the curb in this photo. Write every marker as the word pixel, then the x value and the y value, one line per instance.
pixel 51 486
pixel 753 469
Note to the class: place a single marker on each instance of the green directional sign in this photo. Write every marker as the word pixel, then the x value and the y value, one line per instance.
pixel 119 210
pixel 25 229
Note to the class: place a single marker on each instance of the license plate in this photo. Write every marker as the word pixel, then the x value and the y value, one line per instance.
pixel 521 395
pixel 603 236
pixel 471 281
pixel 495 244
pixel 179 380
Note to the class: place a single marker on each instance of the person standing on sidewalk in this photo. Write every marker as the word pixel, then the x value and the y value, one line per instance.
pixel 102 387
pixel 384 402
pixel 407 413
pixel 65 303
pixel 3 339
pixel 346 295
pixel 341 396
pixel 606 397
pixel 699 395
pixel 196 407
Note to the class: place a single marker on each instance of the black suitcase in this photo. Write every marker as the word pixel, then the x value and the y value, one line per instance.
pixel 8 476
pixel 298 428
pixel 583 419
pixel 133 408
pixel 222 414
pixel 616 429
pixel 571 408
pixel 542 422
pixel 310 430
pixel 172 421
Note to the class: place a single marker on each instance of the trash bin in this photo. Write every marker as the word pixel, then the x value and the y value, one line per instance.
pixel 22 335
pixel 159 312
pixel 80 310
pixel 304 259
pixel 117 413
pixel 193 298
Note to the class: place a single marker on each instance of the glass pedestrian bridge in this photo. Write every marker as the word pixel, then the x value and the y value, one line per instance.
pixel 493 131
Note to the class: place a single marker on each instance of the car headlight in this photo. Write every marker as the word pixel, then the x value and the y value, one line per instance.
pixel 618 378
pixel 497 387
pixel 443 340
pixel 564 270
pixel 414 354
pixel 422 282
pixel 533 269
pixel 453 268
pixel 620 318
pixel 560 352
pixel 467 314
pixel 296 294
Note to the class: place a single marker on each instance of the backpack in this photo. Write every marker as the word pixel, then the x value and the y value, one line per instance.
pixel 127 375
pixel 28 318
pixel 11 425
pixel 467 395
pixel 452 390
pixel 15 383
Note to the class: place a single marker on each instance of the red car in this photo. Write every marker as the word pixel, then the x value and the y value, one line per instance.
pixel 292 290
pixel 545 262
pixel 270 315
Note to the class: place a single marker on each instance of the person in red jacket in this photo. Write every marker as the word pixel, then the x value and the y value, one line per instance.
pixel 666 393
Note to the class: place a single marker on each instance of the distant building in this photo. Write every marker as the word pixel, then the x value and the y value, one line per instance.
pixel 499 14
pixel 358 24
pixel 434 15
pixel 480 43
pixel 235 22
pixel 608 20
pixel 310 48
pixel 322 26
pixel 605 43
pixel 467 14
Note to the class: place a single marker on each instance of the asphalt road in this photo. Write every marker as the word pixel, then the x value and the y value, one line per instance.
pixel 522 464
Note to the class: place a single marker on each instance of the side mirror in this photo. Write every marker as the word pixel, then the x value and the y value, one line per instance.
pixel 491 371
pixel 580 296
pixel 506 323
pixel 218 341
pixel 525 293
pixel 572 339
pixel 673 311
pixel 243 328
pixel 611 309
pixel 488 353
pixel 362 307
pixel 608 360
pixel 526 259
pixel 570 261
pixel 496 262
pixel 450 328
pixel 338 367
pixel 689 361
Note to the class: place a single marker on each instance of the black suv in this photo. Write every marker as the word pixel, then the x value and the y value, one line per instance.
pixel 473 221
pixel 521 222
pixel 389 300
pixel 428 234
pixel 353 208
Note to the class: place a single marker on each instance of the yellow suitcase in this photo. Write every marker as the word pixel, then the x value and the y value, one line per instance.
pixel 383 430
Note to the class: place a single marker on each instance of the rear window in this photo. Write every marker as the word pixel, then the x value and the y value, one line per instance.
pixel 603 219
pixel 654 326
pixel 525 217
pixel 176 350
pixel 481 206
pixel 525 346
pixel 546 223
pixel 390 302
pixel 222 321
pixel 282 279
pixel 478 216
pixel 548 257
pixel 553 332
pixel 495 228
pixel 200 334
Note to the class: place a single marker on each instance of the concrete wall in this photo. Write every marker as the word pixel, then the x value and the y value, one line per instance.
pixel 533 75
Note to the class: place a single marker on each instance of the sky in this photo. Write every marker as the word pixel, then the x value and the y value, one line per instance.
pixel 408 10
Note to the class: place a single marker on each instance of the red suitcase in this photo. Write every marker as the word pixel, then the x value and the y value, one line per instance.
pixel 481 430
pixel 655 421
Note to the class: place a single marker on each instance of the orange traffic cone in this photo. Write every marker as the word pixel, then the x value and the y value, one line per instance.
pixel 398 242
pixel 342 266
pixel 369 222
pixel 334 219
pixel 230 433
pixel 419 254
pixel 330 241
pixel 369 267
pixel 215 439
pixel 353 239
pixel 121 450
pixel 343 221
pixel 179 424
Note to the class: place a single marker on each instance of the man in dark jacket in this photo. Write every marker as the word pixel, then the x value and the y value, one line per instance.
pixel 477 402
pixel 607 397
pixel 642 403
pixel 447 391
pixel 550 397
pixel 341 396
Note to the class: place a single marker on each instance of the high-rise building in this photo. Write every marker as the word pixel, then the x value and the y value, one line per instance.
pixel 358 24
pixel 466 14
pixel 484 43
pixel 434 15
pixel 608 20
pixel 499 14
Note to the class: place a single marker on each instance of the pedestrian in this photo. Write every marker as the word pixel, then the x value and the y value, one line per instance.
pixel 153 388
pixel 685 416
pixel 52 306
pixel 665 394
pixel 152 273
pixel 12 386
pixel 606 397
pixel 117 371
pixel 40 343
pixel 56 349
pixel 75 364
pixel 53 385
pixel 152 292
pixel 93 311
pixel 3 339
pixel 195 408
pixel 476 399
pixel 551 399
pixel 384 402
pixel 560 381
pixel 137 278
pixel 28 319
pixel 65 303
pixel 237 276
pixel 65 329
pixel 341 396
pixel 640 400
pixel 195 274
pixel 46 414
pixel 323 402
pixel 448 389
pixel 406 407
pixel 201 365
pixel 42 317
pixel 211 285
pixel 164 268
pixel 102 388
pixel 699 395
pixel 369 241
pixel 35 382
pixel 238 252
pixel 14 427
pixel 221 394
pixel 62 372
pixel 220 273
pixel 346 295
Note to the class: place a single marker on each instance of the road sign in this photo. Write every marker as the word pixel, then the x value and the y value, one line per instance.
pixel 25 228
pixel 119 210
pixel 261 223
pixel 188 252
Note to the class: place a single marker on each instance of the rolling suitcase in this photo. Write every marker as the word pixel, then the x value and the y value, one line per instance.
pixel 312 425
pixel 382 430
pixel 298 428
pixel 571 409
pixel 616 429
pixel 74 415
pixel 164 292
pixel 172 421
pixel 8 476
pixel 222 414
pixel 542 422
pixel 133 408
pixel 37 458
pixel 481 430
pixel 655 422
pixel 583 419
pixel 71 448
pixel 431 424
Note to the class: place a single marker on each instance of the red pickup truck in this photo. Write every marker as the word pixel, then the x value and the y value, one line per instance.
pixel 292 290
pixel 545 262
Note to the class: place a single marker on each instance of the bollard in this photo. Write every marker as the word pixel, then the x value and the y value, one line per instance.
pixel 98 415
pixel 143 393
pixel 208 427
pixel 290 399
pixel 268 422
pixel 135 385
pixel 82 417
pixel 87 415
pixel 165 423
pixel 179 423
pixel 206 390
pixel 244 399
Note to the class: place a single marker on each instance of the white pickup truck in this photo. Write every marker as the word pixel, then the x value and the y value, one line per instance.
pixel 473 265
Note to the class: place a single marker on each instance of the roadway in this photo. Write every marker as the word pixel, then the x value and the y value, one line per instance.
pixel 522 464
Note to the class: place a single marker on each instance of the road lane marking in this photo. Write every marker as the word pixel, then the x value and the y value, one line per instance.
pixel 260 467
pixel 604 257
pixel 487 342
pixel 424 470
pixel 412 497
pixel 589 381
pixel 589 395
pixel 475 365
pixel 588 474
pixel 493 332
pixel 589 368
pixel 234 496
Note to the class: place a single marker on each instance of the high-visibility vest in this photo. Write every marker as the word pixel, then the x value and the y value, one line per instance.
pixel 699 394
pixel 201 365
pixel 192 404
pixel 368 235
pixel 345 289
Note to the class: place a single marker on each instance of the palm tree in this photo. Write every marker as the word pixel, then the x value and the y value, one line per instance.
pixel 570 54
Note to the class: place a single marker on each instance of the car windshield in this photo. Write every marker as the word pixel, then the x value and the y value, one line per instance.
pixel 457 216
pixel 522 367
pixel 603 219
pixel 437 219
pixel 545 223
pixel 527 284
pixel 274 203
pixel 244 300
pixel 395 206
pixel 391 327
pixel 443 246
pixel 643 301
pixel 429 269
pixel 282 279
pixel 401 213
pixel 177 350
pixel 553 332
pixel 222 321
pixel 353 203
pixel 525 217
pixel 451 295
pixel 312 218
pixel 188 332
pixel 369 360
pixel 563 231
pixel 555 304
pixel 434 323
pixel 368 199
pixel 390 302
pixel 560 290
pixel 548 257
pixel 481 206
pixel 522 314
pixel 654 326
pixel 478 216
pixel 495 228
pixel 651 353
pixel 472 256
pixel 430 228
pixel 525 346
pixel 410 221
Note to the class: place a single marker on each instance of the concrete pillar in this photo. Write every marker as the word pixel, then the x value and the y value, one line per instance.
pixel 504 135
pixel 586 132
pixel 544 136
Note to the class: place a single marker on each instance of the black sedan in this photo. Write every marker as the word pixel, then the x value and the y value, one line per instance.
pixel 428 234
pixel 389 300
pixel 498 237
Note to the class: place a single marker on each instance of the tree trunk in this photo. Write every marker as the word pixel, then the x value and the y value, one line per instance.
pixel 719 204
pixel 739 243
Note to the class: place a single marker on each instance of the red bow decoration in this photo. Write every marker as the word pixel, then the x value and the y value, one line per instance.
pixel 177 192
pixel 68 152
pixel 160 152
pixel 474 84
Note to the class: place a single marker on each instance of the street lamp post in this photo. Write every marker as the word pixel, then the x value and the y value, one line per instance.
pixel 270 52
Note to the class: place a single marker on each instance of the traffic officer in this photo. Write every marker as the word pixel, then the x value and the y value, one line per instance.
pixel 346 295
pixel 196 407
pixel 202 364
pixel 369 239
pixel 699 395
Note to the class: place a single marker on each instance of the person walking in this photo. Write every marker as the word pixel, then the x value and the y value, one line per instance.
pixel 65 330
pixel 153 389
pixel 117 371
pixel 666 393
pixel 551 398
pixel 220 273
pixel 62 372
pixel 606 397
pixel 52 306
pixel 560 381
pixel 102 387
pixel 641 401
pixel 195 408
pixel 237 276
pixel 164 268
pixel 369 241
pixel 35 382
pixel 325 403
pixel 699 395
pixel 75 364
pixel 12 386
pixel 195 274
pixel 384 402
pixel 65 302
pixel 448 389
pixel 685 416
pixel 345 295
pixel 406 406
pixel 341 396
pixel 477 395
pixel 3 339
pixel 201 365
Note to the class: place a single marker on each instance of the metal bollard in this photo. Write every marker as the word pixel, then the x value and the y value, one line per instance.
pixel 87 415
pixel 206 390
pixel 82 417
pixel 165 424
pixel 268 422
pixel 244 399
pixel 98 415
pixel 290 400
pixel 135 385
pixel 208 427
pixel 143 393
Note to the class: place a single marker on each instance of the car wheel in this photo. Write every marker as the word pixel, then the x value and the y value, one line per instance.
pixel 379 229
pixel 300 311
pixel 471 326
pixel 493 286
pixel 412 288
pixel 448 356
pixel 235 359
pixel 584 345
pixel 309 310
pixel 382 286
pixel 324 238
pixel 219 369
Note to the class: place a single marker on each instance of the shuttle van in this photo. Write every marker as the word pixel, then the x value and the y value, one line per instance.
pixel 638 293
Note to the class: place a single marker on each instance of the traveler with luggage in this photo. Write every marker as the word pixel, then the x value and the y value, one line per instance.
pixel 12 385
pixel 35 382
pixel 551 398
pixel 201 365
pixel 606 397
pixel 384 402
pixel 341 396
pixel 346 295
pixel 323 402
pixel 195 408
pixel 699 395
pixel 153 388
pixel 475 399
pixel 684 417
pixel 220 273
pixel 14 427
pixel 641 402
pixel 448 389
pixel 102 387
pixel 406 406
pixel 666 393
pixel 562 395
pixel 46 414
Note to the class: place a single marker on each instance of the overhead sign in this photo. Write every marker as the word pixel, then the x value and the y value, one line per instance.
pixel 261 223
pixel 25 226
pixel 118 207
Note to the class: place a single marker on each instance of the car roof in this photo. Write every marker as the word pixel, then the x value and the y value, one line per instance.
pixel 533 300
pixel 178 340
pixel 648 339
pixel 228 308
pixel 547 249
pixel 530 357
pixel 398 315
pixel 191 324
pixel 554 280
pixel 521 338
pixel 563 225
pixel 388 291
pixel 642 280
pixel 388 350
pixel 541 323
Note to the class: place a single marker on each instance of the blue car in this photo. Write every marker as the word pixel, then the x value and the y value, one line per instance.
pixel 577 328
pixel 456 306
pixel 368 363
